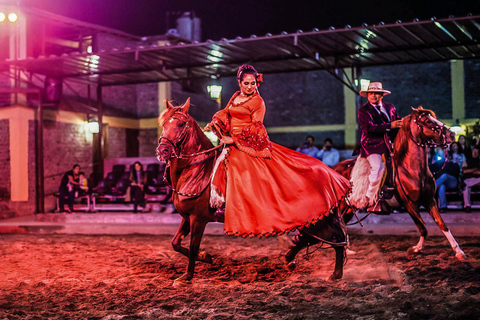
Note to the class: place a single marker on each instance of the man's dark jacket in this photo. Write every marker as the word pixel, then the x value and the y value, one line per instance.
pixel 374 126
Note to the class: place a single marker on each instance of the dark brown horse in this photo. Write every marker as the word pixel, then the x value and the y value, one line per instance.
pixel 190 158
pixel 414 183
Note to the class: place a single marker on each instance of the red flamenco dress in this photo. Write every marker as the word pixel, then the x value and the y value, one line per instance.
pixel 269 189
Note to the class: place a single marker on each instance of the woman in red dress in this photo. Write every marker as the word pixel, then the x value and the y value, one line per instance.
pixel 269 189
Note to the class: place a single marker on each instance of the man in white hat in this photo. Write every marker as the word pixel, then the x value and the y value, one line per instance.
pixel 376 119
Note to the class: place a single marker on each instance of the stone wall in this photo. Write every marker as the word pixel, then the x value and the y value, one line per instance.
pixel 426 84
pixel 294 139
pixel 120 100
pixel 147 100
pixel 65 144
pixel 116 147
pixel 202 107
pixel 148 140
pixel 5 185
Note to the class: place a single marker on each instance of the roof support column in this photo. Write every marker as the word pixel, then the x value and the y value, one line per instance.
pixel 100 128
pixel 458 89
pixel 350 105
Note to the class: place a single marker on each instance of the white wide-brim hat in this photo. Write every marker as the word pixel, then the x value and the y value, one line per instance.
pixel 374 87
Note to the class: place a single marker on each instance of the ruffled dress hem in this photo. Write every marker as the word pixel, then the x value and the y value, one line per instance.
pixel 327 213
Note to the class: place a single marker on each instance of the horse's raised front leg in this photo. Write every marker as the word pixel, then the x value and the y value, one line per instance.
pixel 459 254
pixel 197 229
pixel 182 232
pixel 414 212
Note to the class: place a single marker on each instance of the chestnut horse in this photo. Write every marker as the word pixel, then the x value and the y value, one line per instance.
pixel 190 158
pixel 414 183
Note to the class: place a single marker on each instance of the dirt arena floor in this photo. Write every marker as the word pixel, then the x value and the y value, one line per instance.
pixel 130 277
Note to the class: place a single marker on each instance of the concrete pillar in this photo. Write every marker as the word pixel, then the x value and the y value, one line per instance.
pixel 458 90
pixel 350 116
pixel 164 93
pixel 18 117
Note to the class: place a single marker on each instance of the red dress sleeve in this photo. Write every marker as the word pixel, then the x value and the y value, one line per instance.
pixel 221 123
pixel 254 139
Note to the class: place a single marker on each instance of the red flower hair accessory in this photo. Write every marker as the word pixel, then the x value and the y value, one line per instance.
pixel 259 78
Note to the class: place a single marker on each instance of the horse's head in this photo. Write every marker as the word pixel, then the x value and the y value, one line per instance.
pixel 429 130
pixel 176 123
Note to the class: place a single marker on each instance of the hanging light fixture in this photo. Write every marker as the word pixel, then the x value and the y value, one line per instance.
pixel 92 125
pixel 215 91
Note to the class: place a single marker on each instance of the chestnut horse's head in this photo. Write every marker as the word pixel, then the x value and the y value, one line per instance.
pixel 428 130
pixel 176 123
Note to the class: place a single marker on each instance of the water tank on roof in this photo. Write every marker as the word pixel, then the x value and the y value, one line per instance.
pixel 189 26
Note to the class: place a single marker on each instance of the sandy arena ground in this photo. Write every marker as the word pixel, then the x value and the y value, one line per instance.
pixel 130 277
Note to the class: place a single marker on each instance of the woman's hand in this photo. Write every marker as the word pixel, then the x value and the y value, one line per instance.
pixel 208 127
pixel 226 140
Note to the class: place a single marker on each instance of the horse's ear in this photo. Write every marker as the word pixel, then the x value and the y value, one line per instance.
pixel 413 109
pixel 420 107
pixel 186 106
pixel 169 104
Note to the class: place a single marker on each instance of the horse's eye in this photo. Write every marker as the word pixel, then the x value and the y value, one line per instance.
pixel 181 124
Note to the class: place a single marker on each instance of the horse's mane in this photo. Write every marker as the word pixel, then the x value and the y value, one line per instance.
pixel 401 141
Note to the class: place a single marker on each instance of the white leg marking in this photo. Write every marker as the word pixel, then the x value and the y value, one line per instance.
pixel 419 245
pixel 459 254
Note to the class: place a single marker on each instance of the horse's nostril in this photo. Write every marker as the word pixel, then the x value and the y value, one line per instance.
pixel 452 135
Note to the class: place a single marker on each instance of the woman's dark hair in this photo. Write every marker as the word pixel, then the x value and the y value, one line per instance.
pixel 76 165
pixel 246 69
pixel 141 165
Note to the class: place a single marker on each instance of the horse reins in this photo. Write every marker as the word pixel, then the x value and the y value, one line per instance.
pixel 421 126
pixel 174 145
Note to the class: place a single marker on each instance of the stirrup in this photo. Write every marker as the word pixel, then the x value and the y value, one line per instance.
pixel 219 215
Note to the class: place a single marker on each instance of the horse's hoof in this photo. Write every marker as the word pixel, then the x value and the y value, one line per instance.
pixel 205 257
pixel 333 278
pixel 412 252
pixel 182 281
pixel 350 252
pixel 290 266
pixel 461 256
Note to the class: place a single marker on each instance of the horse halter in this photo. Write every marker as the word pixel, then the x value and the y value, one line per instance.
pixel 440 129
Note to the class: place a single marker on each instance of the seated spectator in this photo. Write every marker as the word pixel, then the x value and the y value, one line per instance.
pixel 456 156
pixel 67 188
pixel 471 176
pixel 308 148
pixel 138 180
pixel 83 185
pixel 329 155
pixel 447 179
pixel 463 147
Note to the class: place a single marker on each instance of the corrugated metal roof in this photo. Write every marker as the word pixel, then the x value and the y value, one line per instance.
pixel 375 45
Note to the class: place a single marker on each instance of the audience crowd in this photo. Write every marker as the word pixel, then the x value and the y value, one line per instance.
pixel 456 168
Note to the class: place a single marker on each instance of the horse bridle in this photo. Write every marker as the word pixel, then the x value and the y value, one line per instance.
pixel 441 130
pixel 175 144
